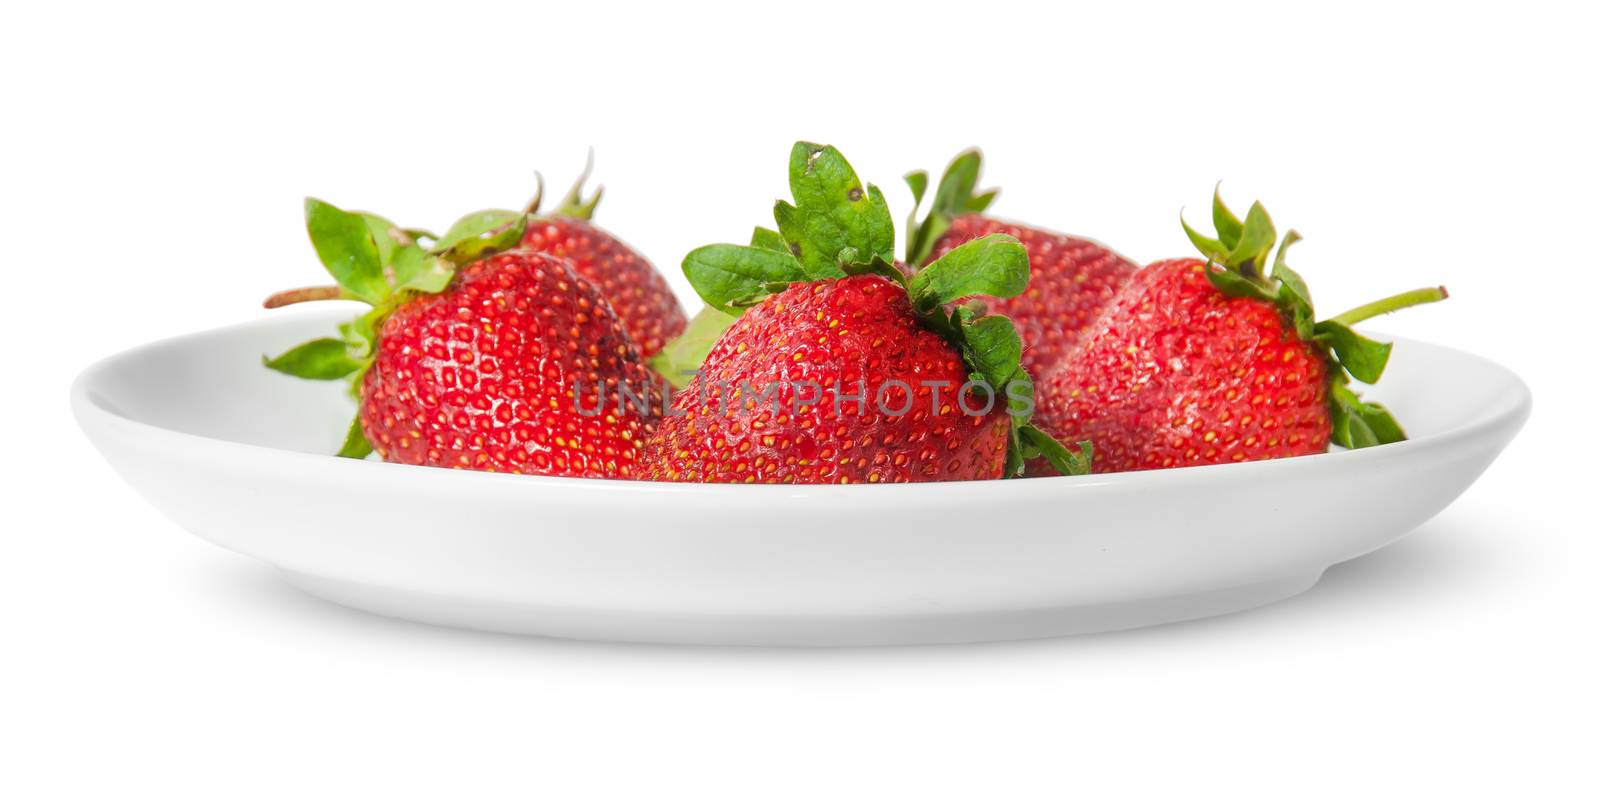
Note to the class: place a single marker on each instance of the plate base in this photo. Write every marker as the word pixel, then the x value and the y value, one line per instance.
pixel 795 631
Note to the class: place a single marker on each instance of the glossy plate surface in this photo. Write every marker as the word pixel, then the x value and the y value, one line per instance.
pixel 238 455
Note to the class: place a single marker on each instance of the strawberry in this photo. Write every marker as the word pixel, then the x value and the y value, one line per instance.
pixel 838 368
pixel 637 291
pixel 643 301
pixel 1206 361
pixel 859 332
pixel 476 354
pixel 1073 280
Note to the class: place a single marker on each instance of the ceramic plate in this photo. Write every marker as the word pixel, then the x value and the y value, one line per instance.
pixel 239 455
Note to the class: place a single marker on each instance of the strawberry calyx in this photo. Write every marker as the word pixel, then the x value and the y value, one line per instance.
pixel 575 204
pixel 374 261
pixel 837 227
pixel 955 195
pixel 1236 264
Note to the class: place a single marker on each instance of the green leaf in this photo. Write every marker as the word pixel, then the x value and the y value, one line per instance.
pixel 1381 423
pixel 993 350
pixel 1349 431
pixel 1015 462
pixel 345 244
pixel 1227 224
pixel 1034 443
pixel 404 262
pixel 681 357
pixel 573 204
pixel 980 202
pixel 819 176
pixel 918 181
pixel 727 276
pixel 957 184
pixel 832 210
pixel 1255 240
pixel 493 240
pixel 1290 238
pixel 990 265
pixel 1294 300
pixel 878 225
pixel 1360 424
pixel 1212 249
pixel 384 236
pixel 361 334
pixel 1234 285
pixel 476 225
pixel 1294 297
pixel 816 237
pixel 1363 357
pixel 952 197
pixel 927 237
pixel 323 358
pixel 792 229
pixel 768 239
pixel 420 271
pixel 1294 288
pixel 1022 411
pixel 877 266
pixel 355 444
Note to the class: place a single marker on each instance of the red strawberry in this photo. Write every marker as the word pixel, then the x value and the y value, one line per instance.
pixel 642 299
pixel 849 373
pixel 473 356
pixel 1178 374
pixel 1073 279
pixel 855 333
pixel 1210 361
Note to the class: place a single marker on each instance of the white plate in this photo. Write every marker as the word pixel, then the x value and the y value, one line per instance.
pixel 239 456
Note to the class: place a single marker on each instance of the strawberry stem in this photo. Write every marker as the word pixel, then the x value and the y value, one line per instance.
pixel 538 195
pixel 289 297
pixel 1415 297
pixel 574 204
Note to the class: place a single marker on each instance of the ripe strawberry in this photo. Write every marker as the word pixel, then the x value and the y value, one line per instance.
pixel 474 354
pixel 1210 361
pixel 840 370
pixel 857 332
pixel 642 299
pixel 1073 278
pixel 637 291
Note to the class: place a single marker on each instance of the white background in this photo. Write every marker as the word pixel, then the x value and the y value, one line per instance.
pixel 154 160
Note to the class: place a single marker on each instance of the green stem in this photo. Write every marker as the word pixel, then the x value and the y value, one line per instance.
pixel 578 207
pixel 1415 297
pixel 305 295
pixel 538 195
pixel 574 204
